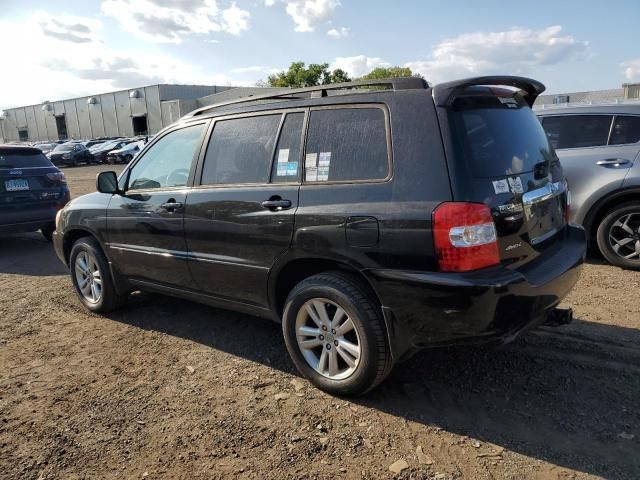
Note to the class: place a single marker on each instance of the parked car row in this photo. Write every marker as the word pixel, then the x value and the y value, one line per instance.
pixel 102 150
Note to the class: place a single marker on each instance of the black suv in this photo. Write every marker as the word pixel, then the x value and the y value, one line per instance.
pixel 370 218
pixel 32 191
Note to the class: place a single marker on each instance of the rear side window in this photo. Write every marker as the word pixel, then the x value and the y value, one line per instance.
pixel 347 144
pixel 499 136
pixel 240 150
pixel 625 130
pixel 578 131
pixel 16 159
pixel 287 162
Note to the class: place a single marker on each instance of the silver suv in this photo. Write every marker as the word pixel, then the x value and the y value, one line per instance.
pixel 598 147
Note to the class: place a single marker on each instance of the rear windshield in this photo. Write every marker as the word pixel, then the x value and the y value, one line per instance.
pixel 23 160
pixel 499 135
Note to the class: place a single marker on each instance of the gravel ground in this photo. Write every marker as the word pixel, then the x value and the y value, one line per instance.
pixel 170 389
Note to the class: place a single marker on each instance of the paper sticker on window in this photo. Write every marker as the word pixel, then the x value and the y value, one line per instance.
pixel 324 160
pixel 311 174
pixel 311 160
pixel 516 185
pixel 283 155
pixel 323 174
pixel 292 168
pixel 500 186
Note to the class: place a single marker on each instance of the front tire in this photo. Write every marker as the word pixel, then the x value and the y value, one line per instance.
pixel 619 236
pixel 335 334
pixel 92 278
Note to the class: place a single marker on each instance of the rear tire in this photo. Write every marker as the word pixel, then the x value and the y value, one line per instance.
pixel 92 278
pixel 47 231
pixel 619 236
pixel 357 355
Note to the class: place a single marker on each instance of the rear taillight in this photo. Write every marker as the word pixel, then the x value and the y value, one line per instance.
pixel 465 237
pixel 57 177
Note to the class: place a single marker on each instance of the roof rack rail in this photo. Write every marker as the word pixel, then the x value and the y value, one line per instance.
pixel 398 83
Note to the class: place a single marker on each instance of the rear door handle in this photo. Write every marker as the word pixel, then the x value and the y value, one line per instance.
pixel 613 162
pixel 171 205
pixel 276 205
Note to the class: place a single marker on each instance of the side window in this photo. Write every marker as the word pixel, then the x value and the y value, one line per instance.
pixel 168 162
pixel 576 131
pixel 287 159
pixel 625 130
pixel 346 144
pixel 240 150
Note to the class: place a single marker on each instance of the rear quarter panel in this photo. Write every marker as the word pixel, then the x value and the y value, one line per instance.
pixel 402 206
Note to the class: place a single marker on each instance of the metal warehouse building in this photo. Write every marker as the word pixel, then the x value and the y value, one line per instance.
pixel 137 111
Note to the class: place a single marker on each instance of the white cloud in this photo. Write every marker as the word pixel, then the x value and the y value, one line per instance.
pixel 515 51
pixel 308 14
pixel 172 21
pixel 359 65
pixel 60 67
pixel 68 28
pixel 255 69
pixel 339 32
pixel 235 20
pixel 631 70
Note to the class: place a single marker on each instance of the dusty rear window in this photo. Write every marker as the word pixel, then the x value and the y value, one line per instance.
pixel 499 136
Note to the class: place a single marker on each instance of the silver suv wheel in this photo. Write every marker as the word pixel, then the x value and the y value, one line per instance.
pixel 328 339
pixel 88 277
pixel 624 236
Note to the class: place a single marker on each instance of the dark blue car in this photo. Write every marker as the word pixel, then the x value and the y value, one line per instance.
pixel 32 191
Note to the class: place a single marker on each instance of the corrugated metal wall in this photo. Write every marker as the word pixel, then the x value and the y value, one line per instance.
pixel 110 114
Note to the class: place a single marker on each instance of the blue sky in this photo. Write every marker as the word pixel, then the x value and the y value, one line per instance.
pixel 71 48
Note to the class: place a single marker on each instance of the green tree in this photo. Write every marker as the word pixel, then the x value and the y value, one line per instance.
pixel 389 72
pixel 299 75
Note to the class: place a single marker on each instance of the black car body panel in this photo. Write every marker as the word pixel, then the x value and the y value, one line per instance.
pixel 70 154
pixel 243 245
pixel 32 190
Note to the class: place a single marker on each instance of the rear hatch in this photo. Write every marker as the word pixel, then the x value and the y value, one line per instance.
pixel 31 188
pixel 501 157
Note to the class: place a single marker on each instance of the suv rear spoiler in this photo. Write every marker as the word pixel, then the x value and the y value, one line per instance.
pixel 444 93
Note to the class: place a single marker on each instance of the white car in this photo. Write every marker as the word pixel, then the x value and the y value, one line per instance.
pixel 126 153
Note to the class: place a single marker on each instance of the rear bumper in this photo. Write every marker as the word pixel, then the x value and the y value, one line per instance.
pixel 425 309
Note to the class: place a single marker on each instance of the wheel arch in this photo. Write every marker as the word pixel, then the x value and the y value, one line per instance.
pixel 283 279
pixel 600 209
pixel 72 235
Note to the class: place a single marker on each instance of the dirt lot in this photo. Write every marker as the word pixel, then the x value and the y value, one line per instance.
pixel 171 389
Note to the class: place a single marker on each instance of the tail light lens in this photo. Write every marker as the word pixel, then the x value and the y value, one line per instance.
pixel 57 177
pixel 465 237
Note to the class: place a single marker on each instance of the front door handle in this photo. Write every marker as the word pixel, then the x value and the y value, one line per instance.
pixel 276 204
pixel 613 162
pixel 171 205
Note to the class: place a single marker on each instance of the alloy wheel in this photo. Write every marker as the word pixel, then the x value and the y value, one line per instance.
pixel 624 236
pixel 328 339
pixel 88 277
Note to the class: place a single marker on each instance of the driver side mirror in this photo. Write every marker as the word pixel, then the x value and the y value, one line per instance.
pixel 107 182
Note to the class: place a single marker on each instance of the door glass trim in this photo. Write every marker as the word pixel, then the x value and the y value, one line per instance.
pixel 387 124
pixel 197 181
pixel 159 136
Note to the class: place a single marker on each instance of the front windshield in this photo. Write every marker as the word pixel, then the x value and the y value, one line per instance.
pixel 65 147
